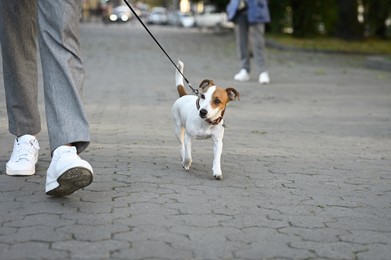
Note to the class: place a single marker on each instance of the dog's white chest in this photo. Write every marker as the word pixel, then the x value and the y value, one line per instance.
pixel 199 133
pixel 201 137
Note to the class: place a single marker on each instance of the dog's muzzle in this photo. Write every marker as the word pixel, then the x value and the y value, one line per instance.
pixel 203 113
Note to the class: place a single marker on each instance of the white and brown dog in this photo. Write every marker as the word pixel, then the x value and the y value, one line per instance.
pixel 200 118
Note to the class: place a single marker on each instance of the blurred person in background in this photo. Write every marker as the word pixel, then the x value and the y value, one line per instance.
pixel 249 17
pixel 53 27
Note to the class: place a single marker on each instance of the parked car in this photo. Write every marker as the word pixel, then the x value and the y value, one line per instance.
pixel 187 19
pixel 176 18
pixel 211 19
pixel 158 15
pixel 120 13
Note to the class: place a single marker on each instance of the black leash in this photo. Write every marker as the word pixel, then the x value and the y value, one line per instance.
pixel 195 91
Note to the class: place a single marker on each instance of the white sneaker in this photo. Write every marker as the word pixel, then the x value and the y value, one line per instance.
pixel 24 156
pixel 67 172
pixel 264 78
pixel 242 75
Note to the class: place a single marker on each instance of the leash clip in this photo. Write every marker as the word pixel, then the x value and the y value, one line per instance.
pixel 195 91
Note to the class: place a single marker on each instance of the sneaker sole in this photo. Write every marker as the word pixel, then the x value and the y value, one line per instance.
pixel 19 173
pixel 242 80
pixel 29 172
pixel 71 181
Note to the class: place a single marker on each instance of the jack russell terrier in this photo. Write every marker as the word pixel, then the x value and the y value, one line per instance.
pixel 200 118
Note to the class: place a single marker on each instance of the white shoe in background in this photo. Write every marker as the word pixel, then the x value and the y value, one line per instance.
pixel 264 78
pixel 242 75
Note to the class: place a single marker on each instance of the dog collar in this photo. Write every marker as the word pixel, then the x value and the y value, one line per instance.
pixel 214 122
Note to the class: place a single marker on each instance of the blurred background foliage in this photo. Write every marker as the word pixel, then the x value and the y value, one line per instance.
pixel 354 26
pixel 345 19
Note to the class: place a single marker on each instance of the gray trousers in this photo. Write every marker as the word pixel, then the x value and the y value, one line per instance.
pixel 56 25
pixel 254 33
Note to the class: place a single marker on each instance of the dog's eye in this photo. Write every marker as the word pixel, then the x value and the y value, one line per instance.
pixel 202 96
pixel 217 101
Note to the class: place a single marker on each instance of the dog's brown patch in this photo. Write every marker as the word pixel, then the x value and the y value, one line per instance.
pixel 181 90
pixel 220 98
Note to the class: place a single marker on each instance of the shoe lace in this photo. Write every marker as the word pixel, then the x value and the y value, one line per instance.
pixel 69 152
pixel 27 150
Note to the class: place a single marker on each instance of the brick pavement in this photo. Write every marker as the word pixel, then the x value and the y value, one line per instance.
pixel 306 161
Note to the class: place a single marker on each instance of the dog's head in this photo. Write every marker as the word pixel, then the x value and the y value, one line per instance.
pixel 214 99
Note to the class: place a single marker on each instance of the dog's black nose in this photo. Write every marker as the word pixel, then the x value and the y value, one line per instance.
pixel 203 113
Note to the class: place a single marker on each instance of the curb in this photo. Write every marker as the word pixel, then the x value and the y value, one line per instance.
pixel 379 63
pixel 373 62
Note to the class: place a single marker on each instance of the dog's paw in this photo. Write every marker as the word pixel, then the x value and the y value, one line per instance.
pixel 217 173
pixel 218 177
pixel 186 164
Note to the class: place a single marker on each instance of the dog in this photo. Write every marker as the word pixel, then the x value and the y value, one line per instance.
pixel 201 117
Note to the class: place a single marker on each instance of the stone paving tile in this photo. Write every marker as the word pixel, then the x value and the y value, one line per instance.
pixel 306 161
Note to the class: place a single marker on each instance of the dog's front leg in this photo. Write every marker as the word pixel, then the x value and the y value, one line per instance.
pixel 187 160
pixel 218 149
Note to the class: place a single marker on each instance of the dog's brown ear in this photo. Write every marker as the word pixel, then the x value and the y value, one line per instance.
pixel 205 84
pixel 232 94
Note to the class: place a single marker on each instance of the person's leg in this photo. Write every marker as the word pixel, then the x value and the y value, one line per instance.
pixel 63 72
pixel 18 33
pixel 241 34
pixel 19 50
pixel 257 32
pixel 63 76
pixel 257 35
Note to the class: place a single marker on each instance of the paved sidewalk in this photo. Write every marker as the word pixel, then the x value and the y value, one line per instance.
pixel 306 161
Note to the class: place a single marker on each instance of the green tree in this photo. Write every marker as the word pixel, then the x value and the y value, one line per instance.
pixel 304 14
pixel 280 12
pixel 376 12
pixel 339 18
pixel 221 4
pixel 348 27
pixel 313 17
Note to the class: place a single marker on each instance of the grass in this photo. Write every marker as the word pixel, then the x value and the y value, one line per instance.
pixel 367 46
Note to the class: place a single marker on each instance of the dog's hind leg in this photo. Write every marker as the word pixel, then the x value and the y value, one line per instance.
pixel 180 136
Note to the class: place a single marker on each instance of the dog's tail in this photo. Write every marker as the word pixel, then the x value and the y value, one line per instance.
pixel 179 80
